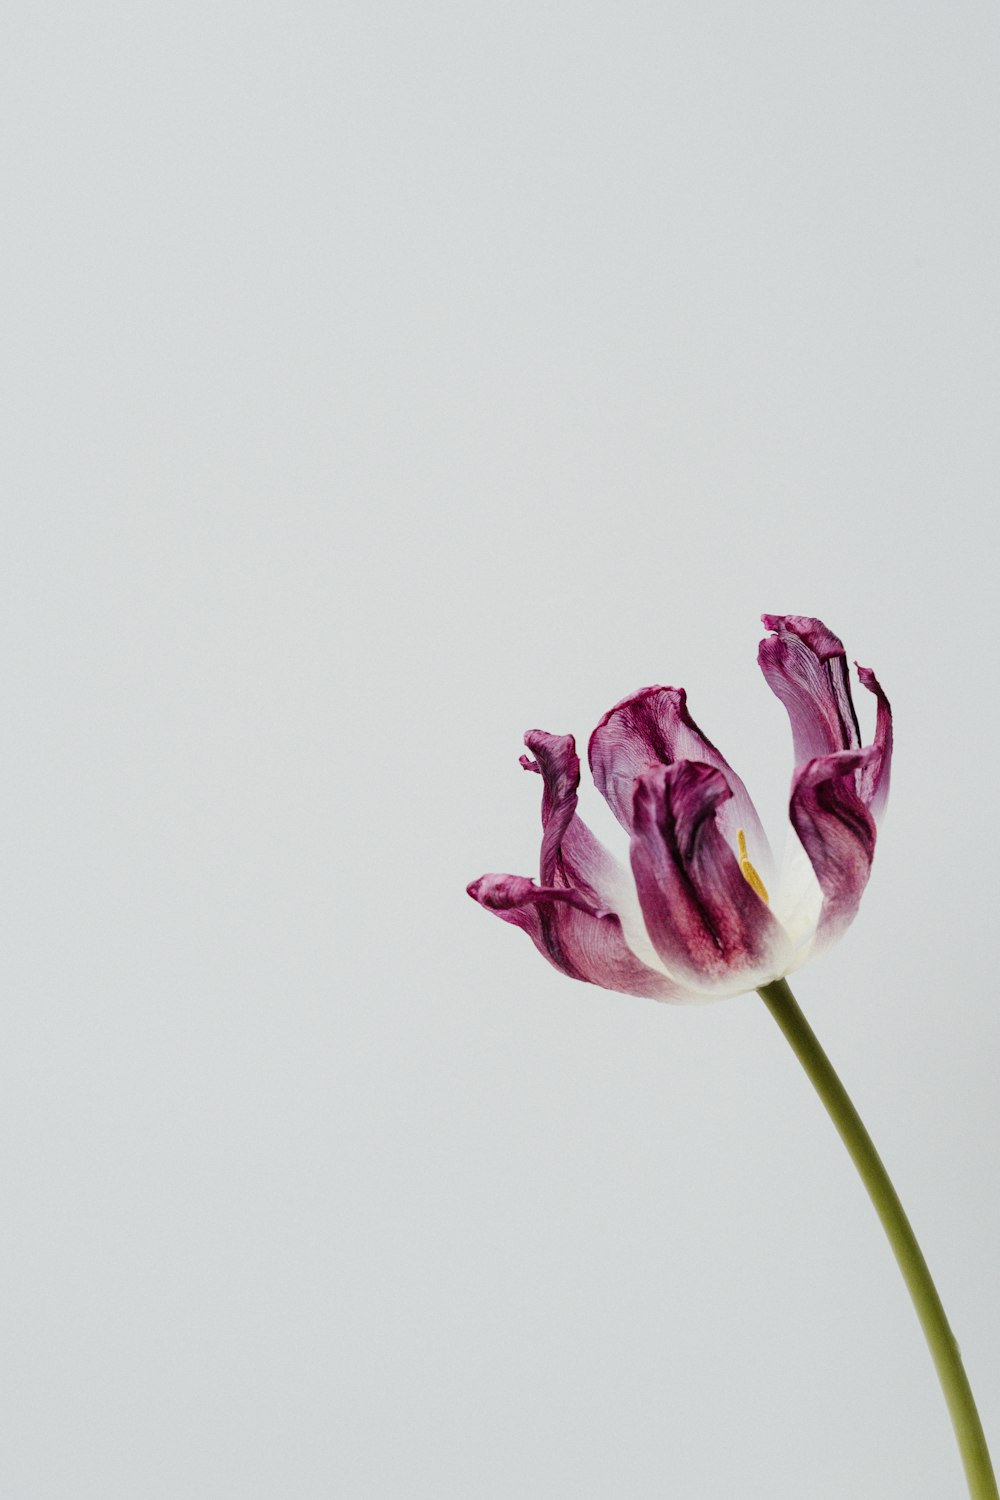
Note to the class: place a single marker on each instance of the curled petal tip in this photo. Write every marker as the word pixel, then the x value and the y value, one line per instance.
pixel 553 754
pixel 694 789
pixel 874 785
pixel 677 696
pixel 868 679
pixel 825 768
pixel 819 638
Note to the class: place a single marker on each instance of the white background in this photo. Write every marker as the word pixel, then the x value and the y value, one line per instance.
pixel 381 381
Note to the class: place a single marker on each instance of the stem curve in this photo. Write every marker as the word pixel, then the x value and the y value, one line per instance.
pixel 942 1343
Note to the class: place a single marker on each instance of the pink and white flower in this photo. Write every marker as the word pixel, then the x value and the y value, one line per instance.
pixel 704 912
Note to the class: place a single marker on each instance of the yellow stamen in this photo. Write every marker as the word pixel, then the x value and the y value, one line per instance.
pixel 747 870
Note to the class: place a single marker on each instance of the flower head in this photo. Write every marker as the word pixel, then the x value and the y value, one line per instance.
pixel 704 912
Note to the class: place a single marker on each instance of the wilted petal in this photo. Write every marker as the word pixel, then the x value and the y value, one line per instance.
pixel 571 855
pixel 652 728
pixel 806 666
pixel 837 832
pixel 706 922
pixel 578 938
pixel 873 782
pixel 572 858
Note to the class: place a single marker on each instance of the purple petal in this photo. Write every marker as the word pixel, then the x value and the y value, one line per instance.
pixel 837 832
pixel 653 728
pixel 705 920
pixel 571 855
pixel 874 778
pixel 579 939
pixel 806 666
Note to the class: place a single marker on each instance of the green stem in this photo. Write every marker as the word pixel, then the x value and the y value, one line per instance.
pixel 965 1419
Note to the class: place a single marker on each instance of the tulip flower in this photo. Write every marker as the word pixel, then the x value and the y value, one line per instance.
pixel 703 912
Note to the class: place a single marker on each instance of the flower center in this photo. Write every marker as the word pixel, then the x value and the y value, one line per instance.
pixel 747 870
